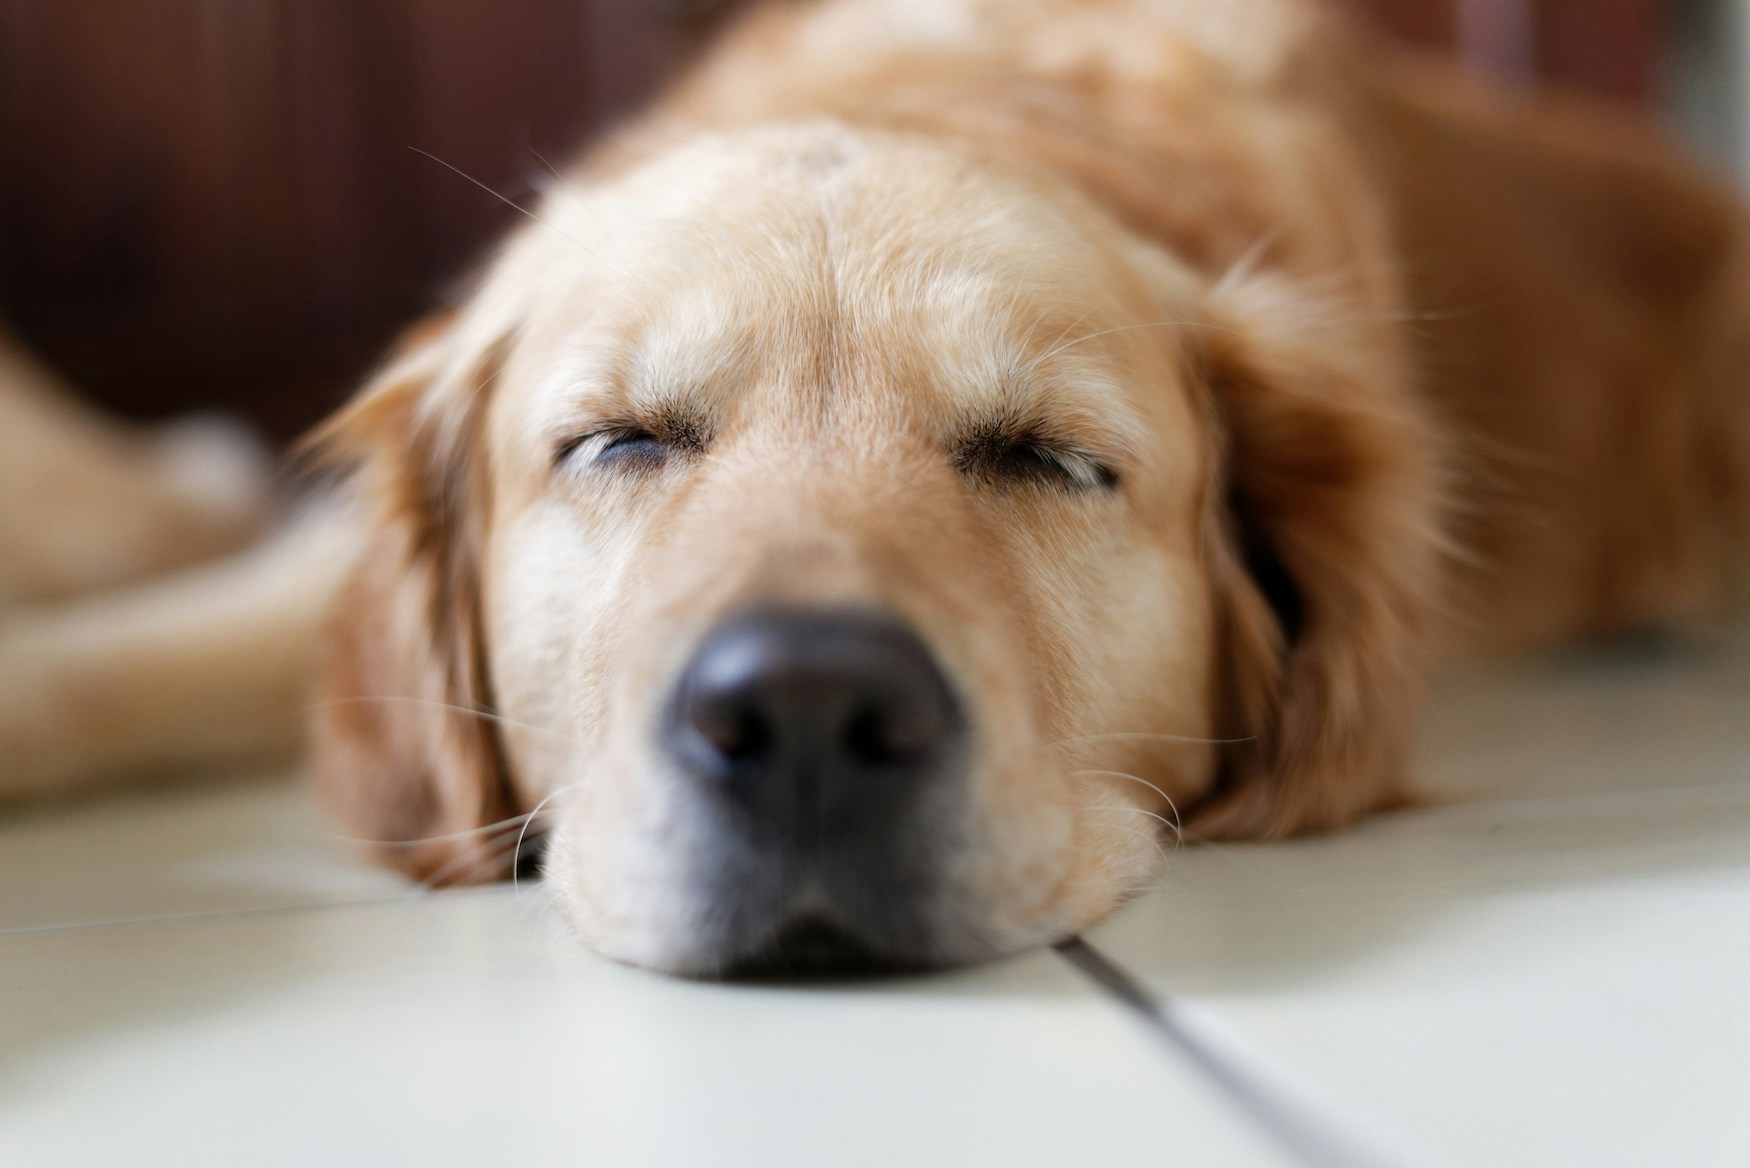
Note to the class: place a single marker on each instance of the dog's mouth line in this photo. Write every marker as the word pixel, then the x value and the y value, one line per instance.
pixel 814 947
pixel 812 938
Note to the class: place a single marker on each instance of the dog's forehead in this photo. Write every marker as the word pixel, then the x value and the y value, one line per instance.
pixel 814 216
pixel 833 259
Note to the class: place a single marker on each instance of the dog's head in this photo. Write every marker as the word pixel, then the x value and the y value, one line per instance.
pixel 849 547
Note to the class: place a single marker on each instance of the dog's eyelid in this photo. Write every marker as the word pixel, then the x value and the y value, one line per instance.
pixel 592 446
pixel 653 438
pixel 577 443
pixel 1079 469
pixel 1087 471
pixel 1005 453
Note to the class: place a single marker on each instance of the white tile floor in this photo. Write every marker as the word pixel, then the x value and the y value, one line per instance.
pixel 1554 970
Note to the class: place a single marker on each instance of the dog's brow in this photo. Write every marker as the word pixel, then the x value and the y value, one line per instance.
pixel 648 374
pixel 693 356
pixel 1086 408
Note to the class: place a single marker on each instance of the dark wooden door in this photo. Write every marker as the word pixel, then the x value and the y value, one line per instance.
pixel 237 203
pixel 1609 46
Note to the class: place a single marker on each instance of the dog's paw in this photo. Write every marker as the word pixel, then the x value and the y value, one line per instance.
pixel 222 473
pixel 37 740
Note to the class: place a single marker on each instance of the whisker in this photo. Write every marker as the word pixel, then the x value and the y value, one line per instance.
pixel 1183 834
pixel 515 865
pixel 471 711
pixel 1129 328
pixel 1246 266
pixel 504 824
pixel 1067 329
pixel 542 906
pixel 509 202
pixel 583 203
pixel 495 848
pixel 1153 837
pixel 1166 798
pixel 1135 779
pixel 1167 823
pixel 1203 844
pixel 552 899
pixel 468 860
pixel 1161 737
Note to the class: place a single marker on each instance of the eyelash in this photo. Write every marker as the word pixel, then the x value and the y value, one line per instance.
pixel 997 458
pixel 1005 460
pixel 633 446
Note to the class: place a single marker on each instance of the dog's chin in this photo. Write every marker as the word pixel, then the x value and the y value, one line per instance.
pixel 797 946
pixel 817 951
pixel 816 948
pixel 721 900
pixel 806 944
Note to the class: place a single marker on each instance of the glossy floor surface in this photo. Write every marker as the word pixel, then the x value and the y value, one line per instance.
pixel 1552 968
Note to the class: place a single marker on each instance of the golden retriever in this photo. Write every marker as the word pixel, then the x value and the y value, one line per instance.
pixel 947 439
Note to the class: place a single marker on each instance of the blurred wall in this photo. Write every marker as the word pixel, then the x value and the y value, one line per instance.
pixel 220 202
pixel 1709 68
pixel 1606 46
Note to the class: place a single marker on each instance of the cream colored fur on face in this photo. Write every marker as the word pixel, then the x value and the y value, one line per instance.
pixel 793 289
pixel 1382 366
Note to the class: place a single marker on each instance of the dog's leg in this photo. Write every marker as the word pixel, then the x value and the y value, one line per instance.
pixel 86 503
pixel 199 670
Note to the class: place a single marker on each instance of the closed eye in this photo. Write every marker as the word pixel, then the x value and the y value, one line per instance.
pixel 624 448
pixel 630 446
pixel 1002 456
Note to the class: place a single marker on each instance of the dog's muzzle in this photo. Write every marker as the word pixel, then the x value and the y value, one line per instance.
pixel 822 745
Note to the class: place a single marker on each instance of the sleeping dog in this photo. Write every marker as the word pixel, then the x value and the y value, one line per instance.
pixel 945 440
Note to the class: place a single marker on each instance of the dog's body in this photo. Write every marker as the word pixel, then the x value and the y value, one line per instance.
pixel 1601 474
pixel 140 633
pixel 1158 387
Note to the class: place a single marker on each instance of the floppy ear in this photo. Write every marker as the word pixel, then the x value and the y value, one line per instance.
pixel 1326 549
pixel 401 754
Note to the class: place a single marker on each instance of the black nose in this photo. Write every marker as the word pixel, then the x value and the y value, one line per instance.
pixel 823 725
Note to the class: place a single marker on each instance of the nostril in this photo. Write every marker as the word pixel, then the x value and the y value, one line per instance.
pixel 739 733
pixel 807 717
pixel 886 735
pixel 866 739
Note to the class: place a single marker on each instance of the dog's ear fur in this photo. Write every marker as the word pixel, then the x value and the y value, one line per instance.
pixel 1326 540
pixel 405 754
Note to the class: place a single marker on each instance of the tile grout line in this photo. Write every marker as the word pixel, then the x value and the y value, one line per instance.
pixel 1304 1138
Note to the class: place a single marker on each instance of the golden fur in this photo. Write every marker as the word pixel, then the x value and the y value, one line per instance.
pixel 139 633
pixel 1383 366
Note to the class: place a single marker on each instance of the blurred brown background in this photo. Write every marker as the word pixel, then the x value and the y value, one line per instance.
pixel 219 202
